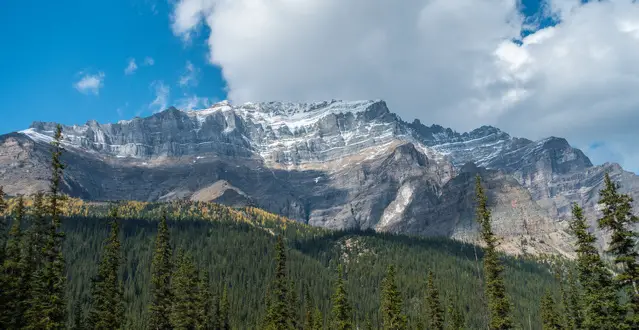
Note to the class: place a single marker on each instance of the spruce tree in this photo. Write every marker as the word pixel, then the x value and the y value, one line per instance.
pixel 293 305
pixel 78 318
pixel 455 318
pixel 217 316
pixel 308 311
pixel 369 324
pixel 161 267
pixel 498 303
pixel 549 315
pixel 391 303
pixel 48 308
pixel 12 315
pixel 204 304
pixel 225 310
pixel 574 301
pixel 107 305
pixel 341 316
pixel 599 303
pixel 185 293
pixel 619 221
pixel 278 315
pixel 318 319
pixel 3 224
pixel 436 314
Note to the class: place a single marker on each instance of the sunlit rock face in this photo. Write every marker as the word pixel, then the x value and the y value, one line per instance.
pixel 334 164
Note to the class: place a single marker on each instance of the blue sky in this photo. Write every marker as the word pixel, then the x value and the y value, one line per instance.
pixel 53 45
pixel 51 42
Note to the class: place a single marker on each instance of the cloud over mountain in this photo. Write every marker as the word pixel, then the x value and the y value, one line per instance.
pixel 459 63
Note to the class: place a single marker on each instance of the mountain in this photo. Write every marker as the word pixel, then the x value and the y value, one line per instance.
pixel 332 164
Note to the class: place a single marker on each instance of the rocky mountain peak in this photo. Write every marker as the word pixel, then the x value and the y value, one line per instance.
pixel 338 164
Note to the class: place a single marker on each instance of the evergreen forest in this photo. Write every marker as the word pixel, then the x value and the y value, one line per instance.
pixel 70 264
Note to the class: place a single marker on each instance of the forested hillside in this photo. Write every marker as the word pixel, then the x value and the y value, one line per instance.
pixel 196 265
pixel 237 248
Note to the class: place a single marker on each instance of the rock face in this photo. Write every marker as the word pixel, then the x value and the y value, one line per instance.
pixel 333 164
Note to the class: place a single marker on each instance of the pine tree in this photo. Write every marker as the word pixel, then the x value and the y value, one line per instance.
pixel 549 316
pixel 78 318
pixel 498 303
pixel 341 318
pixel 161 267
pixel 185 293
pixel 369 324
pixel 599 303
pixel 3 224
pixel 107 305
pixel 278 315
pixel 217 316
pixel 225 310
pixel 574 299
pixel 204 304
pixel 619 221
pixel 318 320
pixel 48 304
pixel 308 311
pixel 455 318
pixel 293 304
pixel 391 303
pixel 12 315
pixel 434 306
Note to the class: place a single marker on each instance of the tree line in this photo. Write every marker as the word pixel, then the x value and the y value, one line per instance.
pixel 33 279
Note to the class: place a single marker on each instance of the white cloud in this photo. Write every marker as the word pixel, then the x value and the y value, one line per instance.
pixel 149 61
pixel 449 62
pixel 162 93
pixel 131 67
pixel 189 78
pixel 193 102
pixel 90 83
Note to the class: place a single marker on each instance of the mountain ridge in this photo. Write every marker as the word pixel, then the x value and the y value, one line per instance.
pixel 333 164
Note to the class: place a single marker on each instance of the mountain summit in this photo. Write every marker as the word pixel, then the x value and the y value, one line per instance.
pixel 334 164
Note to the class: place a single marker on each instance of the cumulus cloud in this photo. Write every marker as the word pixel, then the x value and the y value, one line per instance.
pixel 189 77
pixel 131 67
pixel 162 94
pixel 459 63
pixel 90 83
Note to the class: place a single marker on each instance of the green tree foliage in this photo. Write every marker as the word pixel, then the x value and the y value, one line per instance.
pixel 48 307
pixel 161 269
pixel 205 312
pixel 455 318
pixel 391 303
pixel 571 297
pixel 341 315
pixel 318 320
pixel 225 310
pixel 293 304
pixel 185 293
pixel 3 224
pixel 107 306
pixel 549 313
pixel 278 316
pixel 14 294
pixel 236 248
pixel 435 312
pixel 619 221
pixel 78 317
pixel 308 311
pixel 499 305
pixel 599 302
